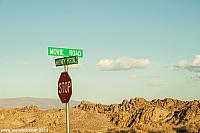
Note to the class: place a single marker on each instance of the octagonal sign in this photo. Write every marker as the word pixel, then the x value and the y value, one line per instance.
pixel 64 87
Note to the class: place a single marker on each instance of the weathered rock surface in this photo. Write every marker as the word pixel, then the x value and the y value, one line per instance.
pixel 168 115
pixel 131 116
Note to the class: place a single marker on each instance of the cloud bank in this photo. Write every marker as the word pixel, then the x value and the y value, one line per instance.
pixel 124 63
pixel 193 66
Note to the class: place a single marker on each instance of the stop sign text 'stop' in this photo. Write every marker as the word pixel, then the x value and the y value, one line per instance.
pixel 64 87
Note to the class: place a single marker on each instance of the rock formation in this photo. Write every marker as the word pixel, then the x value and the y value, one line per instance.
pixel 136 115
pixel 168 115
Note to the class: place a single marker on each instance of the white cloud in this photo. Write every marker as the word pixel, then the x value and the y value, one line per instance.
pixel 198 75
pixel 124 63
pixel 196 61
pixel 183 63
pixel 193 66
pixel 23 62
pixel 180 65
pixel 105 64
pixel 173 67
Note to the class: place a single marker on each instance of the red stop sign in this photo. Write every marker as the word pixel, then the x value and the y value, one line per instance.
pixel 64 87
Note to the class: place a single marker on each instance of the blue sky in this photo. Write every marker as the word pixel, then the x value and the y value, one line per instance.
pixel 132 48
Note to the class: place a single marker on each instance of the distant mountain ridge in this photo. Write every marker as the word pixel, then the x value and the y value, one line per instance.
pixel 42 103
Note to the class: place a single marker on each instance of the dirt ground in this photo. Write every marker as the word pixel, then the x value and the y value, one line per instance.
pixel 53 120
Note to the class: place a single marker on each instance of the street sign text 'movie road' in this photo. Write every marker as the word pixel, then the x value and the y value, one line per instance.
pixel 52 51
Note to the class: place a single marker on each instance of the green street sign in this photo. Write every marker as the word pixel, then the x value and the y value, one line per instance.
pixel 66 61
pixel 52 51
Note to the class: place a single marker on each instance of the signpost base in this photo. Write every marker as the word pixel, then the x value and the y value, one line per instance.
pixel 67 117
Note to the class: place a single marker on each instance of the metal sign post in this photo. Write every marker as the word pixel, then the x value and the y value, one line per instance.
pixel 67 107
pixel 65 83
pixel 67 117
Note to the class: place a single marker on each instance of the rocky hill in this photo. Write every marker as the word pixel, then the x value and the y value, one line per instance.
pixel 134 116
pixel 140 115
